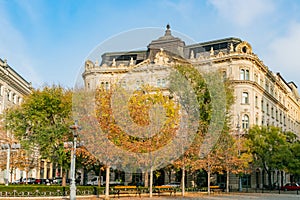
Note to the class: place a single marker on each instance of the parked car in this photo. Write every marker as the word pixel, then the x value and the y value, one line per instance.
pixel 57 180
pixel 27 181
pixel 173 184
pixel 42 181
pixel 93 181
pixel 16 181
pixel 290 186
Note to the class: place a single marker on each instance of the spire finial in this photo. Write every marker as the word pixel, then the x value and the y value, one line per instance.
pixel 168 31
pixel 168 26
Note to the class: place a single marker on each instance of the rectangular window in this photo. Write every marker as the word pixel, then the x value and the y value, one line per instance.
pixel 247 75
pixel 163 82
pixel 245 98
pixel 256 101
pixel 242 74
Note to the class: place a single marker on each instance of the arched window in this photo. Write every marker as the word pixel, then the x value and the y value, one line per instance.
pixel 245 98
pixel 245 121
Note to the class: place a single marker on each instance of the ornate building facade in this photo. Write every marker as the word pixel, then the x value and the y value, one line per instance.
pixel 261 96
pixel 13 88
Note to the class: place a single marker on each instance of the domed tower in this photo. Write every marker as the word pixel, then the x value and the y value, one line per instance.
pixel 168 43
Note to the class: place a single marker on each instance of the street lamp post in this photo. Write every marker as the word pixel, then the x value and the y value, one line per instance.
pixel 7 165
pixel 74 129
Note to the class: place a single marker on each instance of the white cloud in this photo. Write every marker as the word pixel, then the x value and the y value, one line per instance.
pixel 283 54
pixel 242 13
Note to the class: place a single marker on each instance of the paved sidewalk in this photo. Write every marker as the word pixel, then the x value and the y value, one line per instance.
pixel 188 196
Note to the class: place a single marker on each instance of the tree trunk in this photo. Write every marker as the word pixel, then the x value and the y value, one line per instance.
pixel 208 181
pixel 169 175
pixel 151 182
pixel 26 172
pixel 107 182
pixel 270 179
pixel 64 178
pixel 99 179
pixel 146 179
pixel 227 181
pixel 183 180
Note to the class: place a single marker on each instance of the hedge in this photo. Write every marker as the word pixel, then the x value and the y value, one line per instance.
pixel 44 190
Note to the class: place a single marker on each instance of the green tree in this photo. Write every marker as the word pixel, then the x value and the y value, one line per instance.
pixel 214 99
pixel 294 146
pixel 270 149
pixel 42 122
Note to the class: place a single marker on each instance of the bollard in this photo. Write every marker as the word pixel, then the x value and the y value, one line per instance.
pixel 96 192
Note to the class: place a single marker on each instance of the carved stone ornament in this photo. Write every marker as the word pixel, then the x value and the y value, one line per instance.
pixel 161 58
pixel 244 47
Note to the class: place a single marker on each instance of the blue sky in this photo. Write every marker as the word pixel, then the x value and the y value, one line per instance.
pixel 47 41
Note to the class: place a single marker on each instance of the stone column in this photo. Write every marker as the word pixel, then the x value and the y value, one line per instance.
pixel 38 170
pixel 128 178
pixel 45 169
pixel 56 171
pixel 261 179
pixel 51 171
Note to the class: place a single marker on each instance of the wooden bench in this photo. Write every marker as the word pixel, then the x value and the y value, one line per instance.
pixel 126 189
pixel 216 189
pixel 165 189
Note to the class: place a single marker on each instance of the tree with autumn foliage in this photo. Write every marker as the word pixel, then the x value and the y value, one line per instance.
pixel 145 129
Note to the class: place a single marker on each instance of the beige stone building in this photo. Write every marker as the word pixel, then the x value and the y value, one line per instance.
pixel 262 97
pixel 13 88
